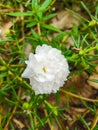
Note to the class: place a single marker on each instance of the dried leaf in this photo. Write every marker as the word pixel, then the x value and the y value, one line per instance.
pixel 96 68
pixel 80 86
pixel 18 123
pixel 28 49
pixel 92 83
pixel 65 20
pixel 6 27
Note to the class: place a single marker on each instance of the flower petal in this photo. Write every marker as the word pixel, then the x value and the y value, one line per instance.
pixel 47 70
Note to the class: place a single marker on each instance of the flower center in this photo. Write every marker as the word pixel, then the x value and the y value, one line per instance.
pixel 44 69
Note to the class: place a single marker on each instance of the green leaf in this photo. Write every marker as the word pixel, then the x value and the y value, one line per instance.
pixel 60 36
pixel 57 121
pixel 10 102
pixel 84 122
pixel 31 24
pixel 35 34
pixel 29 13
pixel 49 16
pixel 96 127
pixel 34 3
pixel 50 27
pixel 4 91
pixel 45 5
pixel 3 75
pixel 86 8
pixel 39 14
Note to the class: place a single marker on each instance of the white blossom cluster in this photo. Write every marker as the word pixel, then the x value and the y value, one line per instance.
pixel 47 70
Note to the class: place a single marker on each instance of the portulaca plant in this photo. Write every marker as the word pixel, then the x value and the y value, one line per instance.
pixel 47 70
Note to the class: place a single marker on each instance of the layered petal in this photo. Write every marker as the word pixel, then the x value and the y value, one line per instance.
pixel 47 70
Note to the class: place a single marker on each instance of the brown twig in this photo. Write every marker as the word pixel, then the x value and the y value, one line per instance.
pixel 35 120
pixel 48 121
pixel 95 121
pixel 39 30
pixel 79 97
pixel 8 10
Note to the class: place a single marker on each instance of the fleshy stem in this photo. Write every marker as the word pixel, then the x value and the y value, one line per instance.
pixel 77 96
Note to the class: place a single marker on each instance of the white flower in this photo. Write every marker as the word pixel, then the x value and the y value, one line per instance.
pixel 47 70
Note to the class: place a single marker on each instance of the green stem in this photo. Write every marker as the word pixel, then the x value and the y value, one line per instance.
pixel 83 52
pixel 91 48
